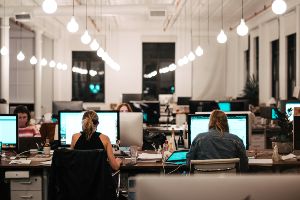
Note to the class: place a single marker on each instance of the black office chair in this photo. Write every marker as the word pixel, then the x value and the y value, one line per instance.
pixel 81 174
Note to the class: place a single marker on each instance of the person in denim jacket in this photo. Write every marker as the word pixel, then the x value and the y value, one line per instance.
pixel 218 143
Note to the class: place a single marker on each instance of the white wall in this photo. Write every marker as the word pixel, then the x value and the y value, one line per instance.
pixel 265 26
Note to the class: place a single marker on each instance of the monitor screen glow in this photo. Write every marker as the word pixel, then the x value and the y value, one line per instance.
pixel 70 123
pixel 291 105
pixel 225 106
pixel 9 131
pixel 238 125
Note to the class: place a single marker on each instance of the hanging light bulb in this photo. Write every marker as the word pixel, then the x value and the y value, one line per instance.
pixel 59 65
pixel 49 6
pixel 100 52
pixel 44 62
pixel 242 28
pixel 222 38
pixel 191 56
pixel 86 38
pixel 279 7
pixel 72 26
pixel 199 51
pixel 4 51
pixel 20 56
pixel 33 60
pixel 180 62
pixel 185 60
pixel 64 67
pixel 94 45
pixel 52 64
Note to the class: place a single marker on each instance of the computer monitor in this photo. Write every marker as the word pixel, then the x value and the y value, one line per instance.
pixel 183 101
pixel 202 106
pixel 291 105
pixel 239 105
pixel 243 187
pixel 70 123
pixel 9 131
pixel 126 98
pixel 165 98
pixel 66 106
pixel 225 106
pixel 131 129
pixel 269 112
pixel 150 110
pixel 238 124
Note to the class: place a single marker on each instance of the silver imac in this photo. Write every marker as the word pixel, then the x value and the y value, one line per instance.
pixel 244 187
pixel 131 129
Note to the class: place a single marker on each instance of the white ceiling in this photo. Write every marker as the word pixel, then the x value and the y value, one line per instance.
pixel 134 14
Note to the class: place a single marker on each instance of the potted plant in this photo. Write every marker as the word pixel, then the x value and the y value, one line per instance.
pixel 251 90
pixel 284 139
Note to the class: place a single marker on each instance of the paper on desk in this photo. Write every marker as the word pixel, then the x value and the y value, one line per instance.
pixel 289 156
pixel 260 161
pixel 149 156
pixel 20 162
pixel 49 162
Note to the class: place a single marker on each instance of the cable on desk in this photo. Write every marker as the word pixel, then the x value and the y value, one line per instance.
pixel 175 169
pixel 163 165
pixel 22 153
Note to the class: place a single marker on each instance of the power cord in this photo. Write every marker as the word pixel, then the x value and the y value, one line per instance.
pixel 175 169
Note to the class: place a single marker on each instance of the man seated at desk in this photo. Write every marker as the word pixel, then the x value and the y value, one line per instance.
pixel 25 128
pixel 218 143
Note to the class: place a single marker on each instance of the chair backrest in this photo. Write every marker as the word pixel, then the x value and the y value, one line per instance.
pixel 80 174
pixel 212 166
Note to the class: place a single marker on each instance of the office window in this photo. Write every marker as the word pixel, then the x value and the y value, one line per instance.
pixel 157 56
pixel 256 58
pixel 275 68
pixel 87 77
pixel 247 63
pixel 291 64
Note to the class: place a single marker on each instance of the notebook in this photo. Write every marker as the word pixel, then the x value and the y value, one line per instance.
pixel 177 157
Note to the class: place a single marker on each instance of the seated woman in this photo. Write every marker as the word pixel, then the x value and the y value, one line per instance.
pixel 218 143
pixel 25 128
pixel 90 139
pixel 124 107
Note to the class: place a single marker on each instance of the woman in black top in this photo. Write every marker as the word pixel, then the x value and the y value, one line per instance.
pixel 90 139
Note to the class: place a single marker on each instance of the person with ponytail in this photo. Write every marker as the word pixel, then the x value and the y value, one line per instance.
pixel 90 139
pixel 218 143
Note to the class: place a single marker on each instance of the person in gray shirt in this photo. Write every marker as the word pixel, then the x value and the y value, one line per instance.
pixel 218 143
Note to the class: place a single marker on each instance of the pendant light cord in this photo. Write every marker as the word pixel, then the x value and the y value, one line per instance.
pixel 199 22
pixel 242 9
pixel 73 8
pixel 222 14
pixel 208 21
pixel 85 14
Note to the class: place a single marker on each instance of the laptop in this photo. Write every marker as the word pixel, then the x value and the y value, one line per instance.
pixel 177 157
pixel 27 143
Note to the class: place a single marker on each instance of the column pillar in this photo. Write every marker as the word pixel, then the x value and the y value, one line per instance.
pixel 38 75
pixel 4 88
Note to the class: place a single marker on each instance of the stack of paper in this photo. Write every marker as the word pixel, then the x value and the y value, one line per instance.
pixel 149 156
pixel 289 156
pixel 20 162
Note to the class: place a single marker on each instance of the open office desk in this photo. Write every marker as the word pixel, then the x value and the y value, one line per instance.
pixel 36 169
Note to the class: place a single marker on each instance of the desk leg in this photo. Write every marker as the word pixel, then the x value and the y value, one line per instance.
pixel 45 184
